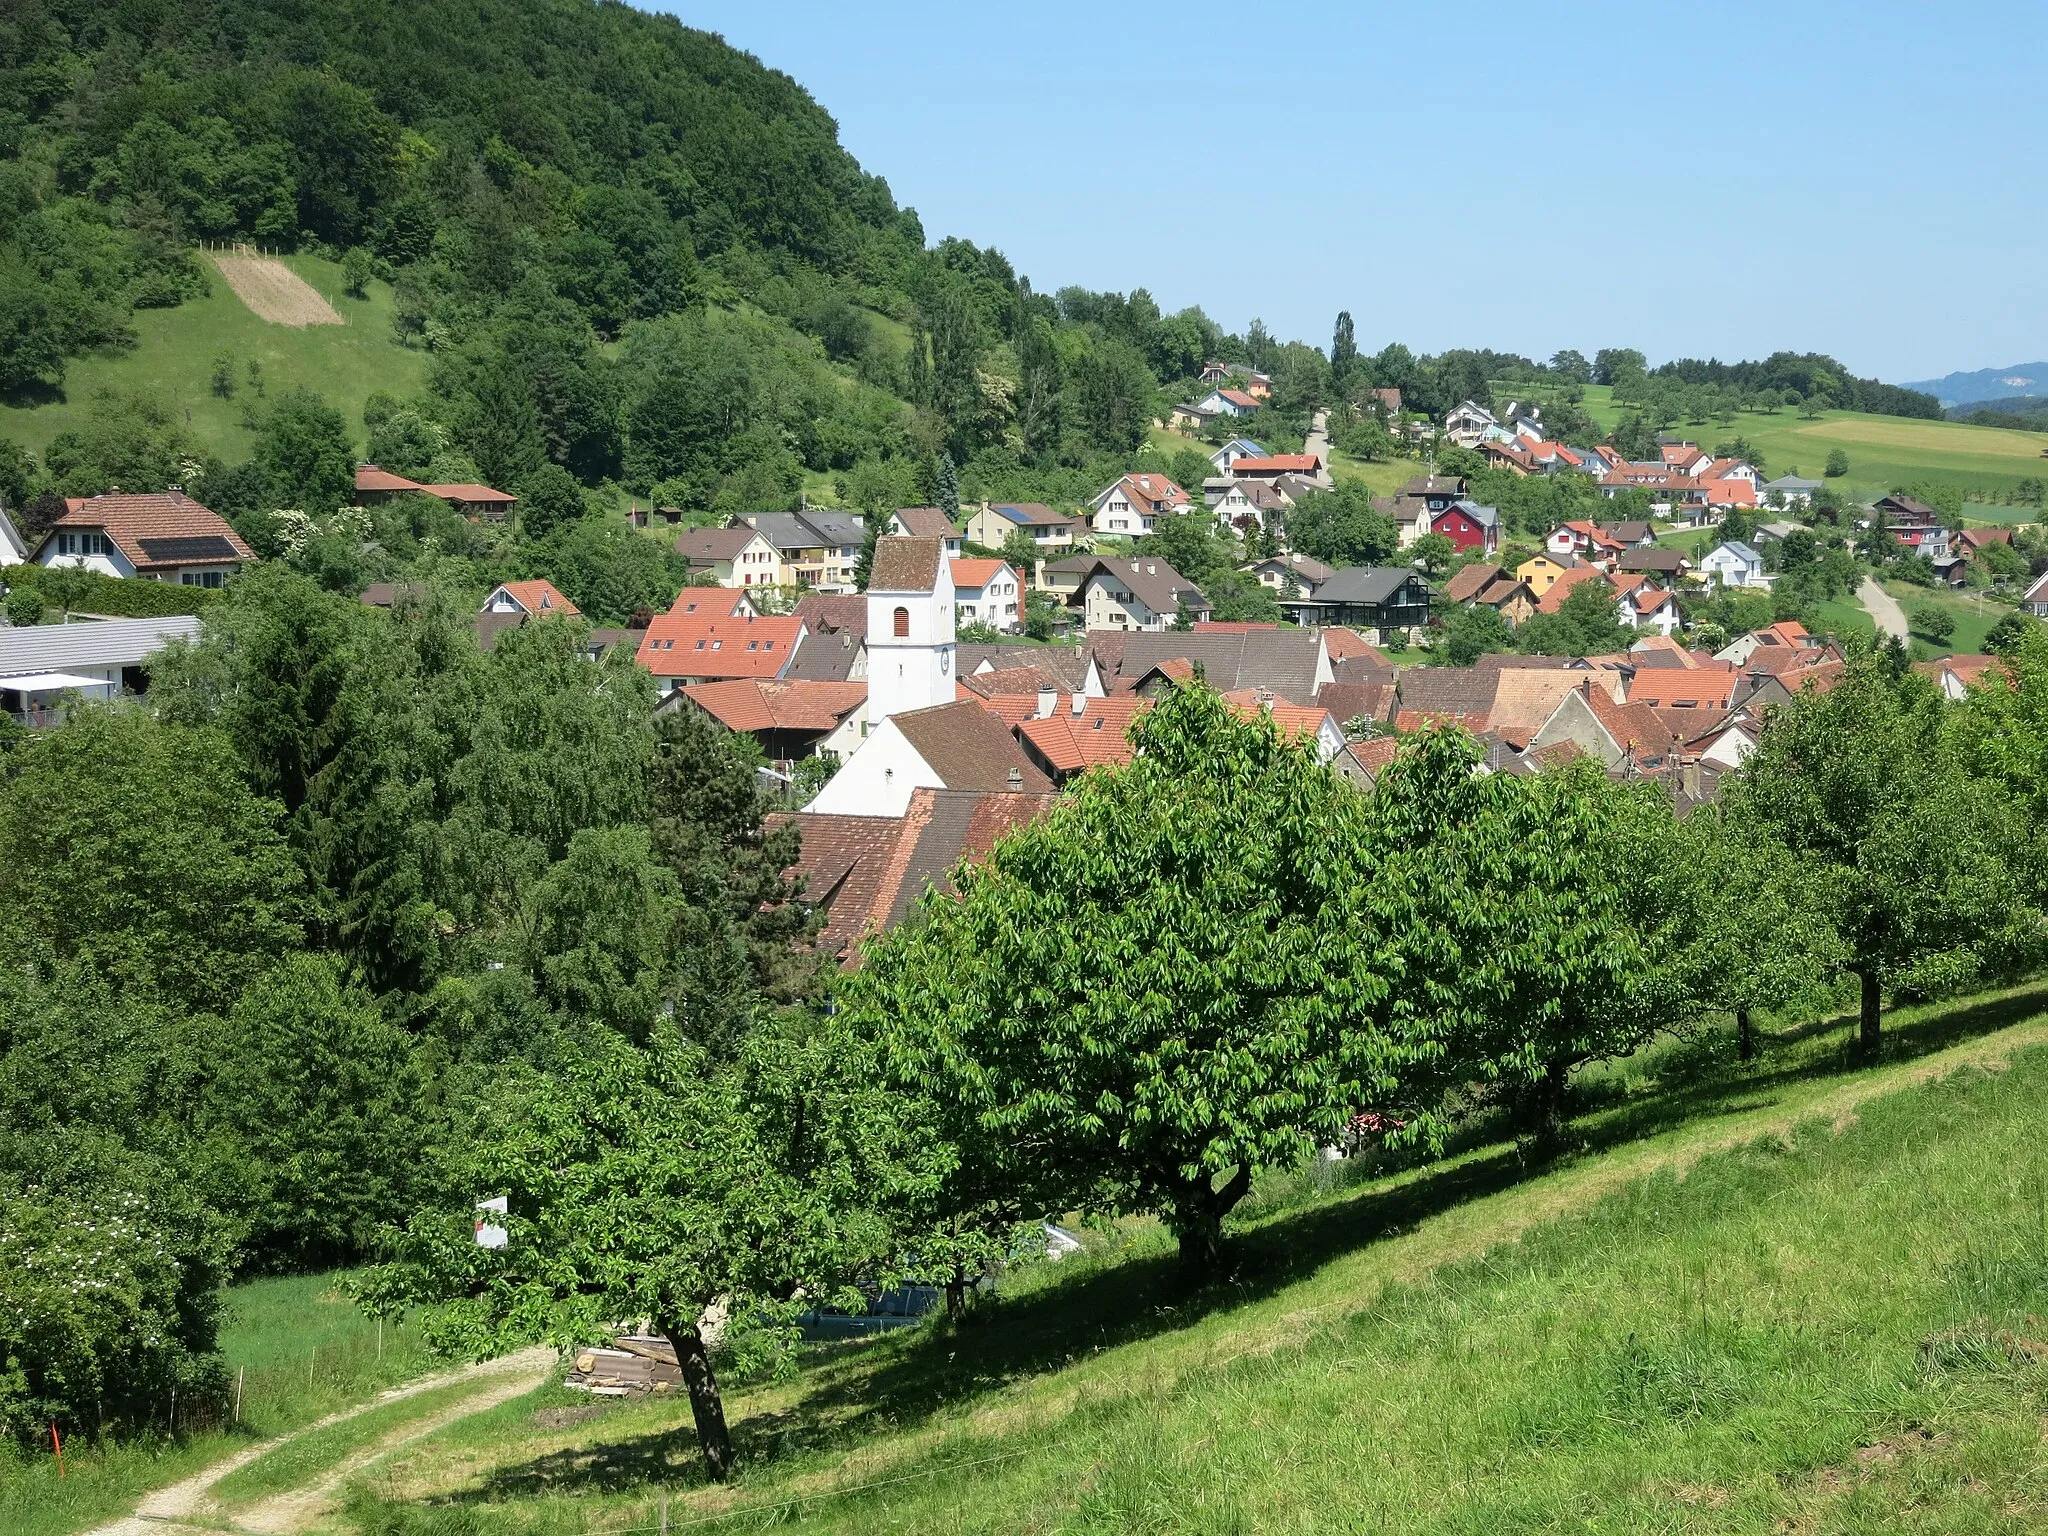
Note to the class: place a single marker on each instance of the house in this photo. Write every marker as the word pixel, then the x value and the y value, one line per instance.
pixel 701 641
pixel 1134 503
pixel 1733 565
pixel 2036 599
pixel 1683 458
pixel 375 486
pixel 161 537
pixel 1631 534
pixel 734 557
pixel 41 665
pixel 1912 523
pixel 1971 541
pixel 1292 664
pixel 534 599
pixel 475 501
pixel 1775 532
pixel 1541 572
pixel 14 548
pixel 1190 416
pixel 1951 570
pixel 818 548
pixel 1957 675
pixel 1140 592
pixel 1613 733
pixel 1585 540
pixel 1227 402
pixel 1244 504
pixel 1468 526
pixel 1381 600
pixel 866 874
pixel 1552 598
pixel 1276 465
pixel 925 523
pixel 1687 699
pixel 1304 572
pixel 1511 599
pixel 1790 491
pixel 988 592
pixel 959 745
pixel 1237 448
pixel 835 649
pixel 1049 530
pixel 1470 424
pixel 1788 635
pixel 1412 506
pixel 790 719
pixel 1080 733
pixel 1649 608
pixel 1669 564
pixel 1389 402
pixel 1258 385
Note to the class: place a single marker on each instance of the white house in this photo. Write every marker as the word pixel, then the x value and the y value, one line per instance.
pixel 734 557
pixel 1734 564
pixel 1227 402
pixel 14 548
pixel 539 599
pixel 988 592
pixel 159 537
pixel 911 628
pixel 950 746
pixel 41 663
pixel 1135 503
pixel 1648 608
pixel 1471 424
pixel 1141 592
pixel 1790 490
pixel 925 523
pixel 1237 448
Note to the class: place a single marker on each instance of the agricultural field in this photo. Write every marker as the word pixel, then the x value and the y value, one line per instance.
pixel 1883 451
pixel 1680 1327
pixel 172 362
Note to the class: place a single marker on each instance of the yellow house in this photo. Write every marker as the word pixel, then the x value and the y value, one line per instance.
pixel 1541 573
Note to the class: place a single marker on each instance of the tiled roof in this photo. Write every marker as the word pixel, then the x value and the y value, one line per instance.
pixel 709 546
pixel 927 523
pixel 828 611
pixel 1294 720
pixel 470 493
pixel 1282 660
pixel 713 645
pixel 1343 644
pixel 1068 743
pixel 1239 397
pixel 1351 701
pixel 974 574
pixel 537 597
pixel 760 704
pixel 164 529
pixel 968 748
pixel 906 565
pixel 1014 680
pixel 1278 464
pixel 1562 588
pixel 1155 583
pixel 1467 582
pixel 370 478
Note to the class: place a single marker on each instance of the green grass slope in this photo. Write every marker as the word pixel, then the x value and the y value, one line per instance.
pixel 1784 1296
pixel 1883 451
pixel 172 362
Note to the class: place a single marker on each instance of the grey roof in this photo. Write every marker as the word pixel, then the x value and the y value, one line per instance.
pixel 1155 583
pixel 1066 664
pixel 98 643
pixel 1737 548
pixel 1029 514
pixel 1485 517
pixel 1367 584
pixel 1283 660
pixel 807 530
pixel 1791 483
pixel 704 546
pixel 1304 568
pixel 1668 560
pixel 826 656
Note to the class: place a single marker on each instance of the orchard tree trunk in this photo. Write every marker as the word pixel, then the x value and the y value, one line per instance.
pixel 1745 1036
pixel 1198 1218
pixel 1546 1102
pixel 705 1404
pixel 956 1292
pixel 1868 1035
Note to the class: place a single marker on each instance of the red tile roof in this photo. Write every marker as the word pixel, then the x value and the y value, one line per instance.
pixel 1239 397
pixel 680 643
pixel 1342 644
pixel 470 493
pixel 537 598
pixel 976 573
pixel 1562 588
pixel 149 530
pixel 1278 464
pixel 1068 743
pixel 759 704
pixel 370 478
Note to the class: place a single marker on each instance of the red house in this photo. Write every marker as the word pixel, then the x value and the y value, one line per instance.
pixel 1468 526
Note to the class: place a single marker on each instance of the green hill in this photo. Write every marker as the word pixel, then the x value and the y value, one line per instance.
pixel 1883 451
pixel 1771 1298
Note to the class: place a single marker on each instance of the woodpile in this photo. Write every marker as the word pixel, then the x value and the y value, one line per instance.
pixel 633 1363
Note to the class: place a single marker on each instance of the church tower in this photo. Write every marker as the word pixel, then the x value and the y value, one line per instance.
pixel 910 628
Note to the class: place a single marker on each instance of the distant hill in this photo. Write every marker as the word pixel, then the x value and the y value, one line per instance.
pixel 1987 384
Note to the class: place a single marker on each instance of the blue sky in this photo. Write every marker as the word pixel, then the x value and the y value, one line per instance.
pixel 1862 179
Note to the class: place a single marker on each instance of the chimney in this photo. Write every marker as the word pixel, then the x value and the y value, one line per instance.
pixel 1048 701
pixel 1016 779
pixel 1689 779
pixel 1080 705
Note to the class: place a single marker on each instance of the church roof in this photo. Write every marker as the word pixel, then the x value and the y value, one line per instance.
pixel 906 565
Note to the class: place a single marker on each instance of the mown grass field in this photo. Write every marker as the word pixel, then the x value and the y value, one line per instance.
pixel 1974 616
pixel 172 363
pixel 303 1351
pixel 1883 451
pixel 1793 1296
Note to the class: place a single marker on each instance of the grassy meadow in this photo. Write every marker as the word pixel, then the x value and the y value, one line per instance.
pixel 172 363
pixel 302 1351
pixel 1790 1295
pixel 1974 616
pixel 1883 451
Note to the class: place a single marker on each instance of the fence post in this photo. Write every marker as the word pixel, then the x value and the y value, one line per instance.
pixel 241 1372
pixel 664 1515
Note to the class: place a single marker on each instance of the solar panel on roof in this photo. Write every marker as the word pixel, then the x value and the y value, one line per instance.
pixel 206 546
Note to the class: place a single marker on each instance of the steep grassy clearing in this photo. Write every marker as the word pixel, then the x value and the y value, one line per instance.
pixel 1784 1296
pixel 172 363
pixel 1883 450
pixel 303 1352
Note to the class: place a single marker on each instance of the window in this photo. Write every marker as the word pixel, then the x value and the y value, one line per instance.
pixel 901 624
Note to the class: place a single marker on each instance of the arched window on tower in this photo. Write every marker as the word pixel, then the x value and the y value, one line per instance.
pixel 902 623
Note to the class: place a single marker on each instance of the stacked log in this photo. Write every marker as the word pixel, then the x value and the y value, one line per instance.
pixel 633 1363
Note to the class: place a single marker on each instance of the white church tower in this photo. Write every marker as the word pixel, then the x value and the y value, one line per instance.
pixel 910 628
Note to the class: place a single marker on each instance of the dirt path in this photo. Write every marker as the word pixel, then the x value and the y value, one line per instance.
pixel 166 1511
pixel 273 291
pixel 1883 607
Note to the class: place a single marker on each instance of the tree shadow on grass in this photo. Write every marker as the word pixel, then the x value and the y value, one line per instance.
pixel 867 1387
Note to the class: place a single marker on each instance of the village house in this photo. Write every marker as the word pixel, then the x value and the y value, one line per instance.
pixel 960 745
pixel 1790 491
pixel 376 486
pixel 1586 540
pixel 1292 664
pixel 1134 503
pixel 1468 526
pixel 161 537
pixel 925 523
pixel 1542 571
pixel 475 501
pixel 1256 384
pixel 1237 448
pixel 1279 466
pixel 1423 497
pixel 1649 608
pixel 14 548
pixel 1139 592
pixel 700 640
pixel 1290 573
pixel 819 548
pixel 1788 635
pixel 1227 402
pixel 734 557
pixel 1470 424
pixel 534 599
pixel 994 522
pixel 1912 523
pixel 1379 600
pixel 789 719
pixel 1668 564
pixel 1734 565
pixel 988 592
pixel 44 666
pixel 835 648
